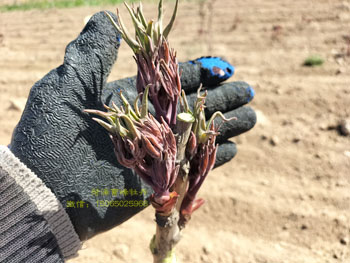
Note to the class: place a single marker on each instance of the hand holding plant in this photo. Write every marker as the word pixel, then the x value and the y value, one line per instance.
pixel 172 152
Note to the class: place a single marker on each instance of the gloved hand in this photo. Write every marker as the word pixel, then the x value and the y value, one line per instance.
pixel 73 155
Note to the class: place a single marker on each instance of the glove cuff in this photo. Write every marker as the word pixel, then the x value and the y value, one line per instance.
pixel 45 202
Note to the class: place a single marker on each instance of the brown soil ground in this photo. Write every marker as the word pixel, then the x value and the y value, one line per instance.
pixel 286 196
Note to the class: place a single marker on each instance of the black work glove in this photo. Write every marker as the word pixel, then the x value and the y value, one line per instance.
pixel 73 155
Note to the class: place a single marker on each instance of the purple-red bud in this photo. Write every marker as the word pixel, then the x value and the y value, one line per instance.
pixel 160 71
pixel 152 155
pixel 200 165
pixel 191 146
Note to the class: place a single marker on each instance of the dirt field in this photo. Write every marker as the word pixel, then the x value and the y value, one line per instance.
pixel 286 196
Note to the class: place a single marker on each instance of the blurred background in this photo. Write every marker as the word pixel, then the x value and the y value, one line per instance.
pixel 286 195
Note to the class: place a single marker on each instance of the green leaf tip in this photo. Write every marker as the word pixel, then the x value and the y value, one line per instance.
pixel 171 23
pixel 144 108
pixel 144 30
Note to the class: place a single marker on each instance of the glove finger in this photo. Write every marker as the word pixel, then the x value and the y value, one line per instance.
pixel 226 151
pixel 90 57
pixel 246 119
pixel 209 71
pixel 225 98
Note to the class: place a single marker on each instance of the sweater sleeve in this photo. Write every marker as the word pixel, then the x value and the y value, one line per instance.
pixel 34 226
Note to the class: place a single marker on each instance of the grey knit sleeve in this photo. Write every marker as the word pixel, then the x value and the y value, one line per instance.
pixel 33 224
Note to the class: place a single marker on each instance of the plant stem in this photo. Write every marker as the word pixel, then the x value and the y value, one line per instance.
pixel 166 237
pixel 168 230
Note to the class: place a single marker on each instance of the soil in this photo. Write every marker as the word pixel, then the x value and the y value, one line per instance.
pixel 286 195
